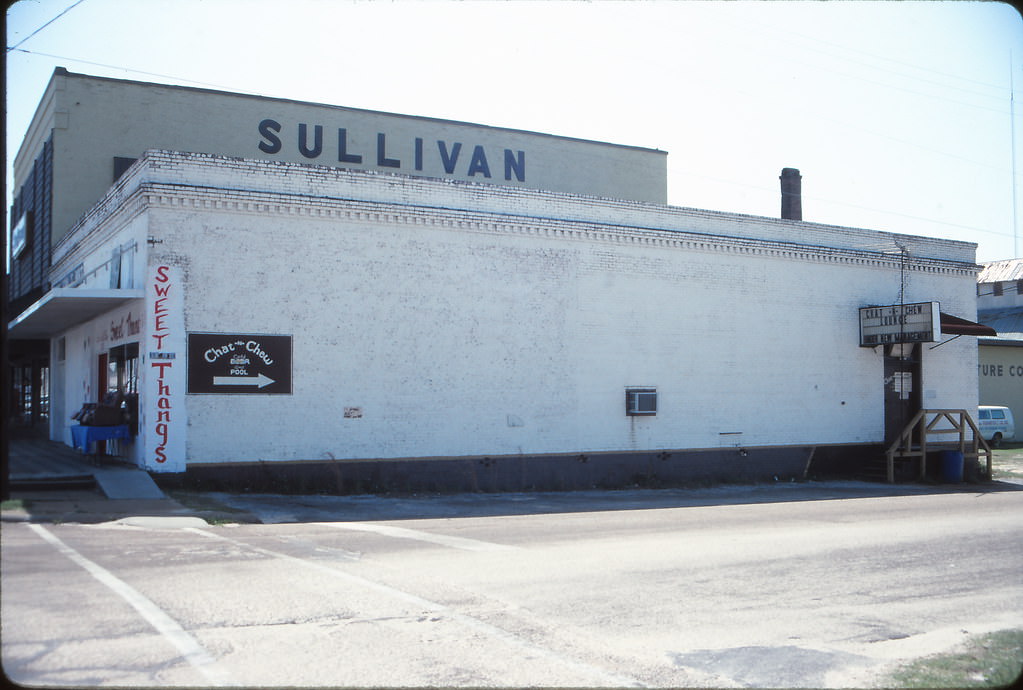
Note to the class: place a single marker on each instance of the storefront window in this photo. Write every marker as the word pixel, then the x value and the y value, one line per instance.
pixel 30 401
pixel 123 370
pixel 123 381
pixel 44 393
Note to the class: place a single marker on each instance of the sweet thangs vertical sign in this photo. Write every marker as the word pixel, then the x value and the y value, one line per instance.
pixel 163 418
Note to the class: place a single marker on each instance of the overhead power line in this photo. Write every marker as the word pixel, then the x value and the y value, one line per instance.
pixel 831 43
pixel 15 46
pixel 811 197
pixel 799 60
pixel 124 69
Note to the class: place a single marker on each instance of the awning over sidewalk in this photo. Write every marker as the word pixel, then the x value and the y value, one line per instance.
pixel 953 325
pixel 61 308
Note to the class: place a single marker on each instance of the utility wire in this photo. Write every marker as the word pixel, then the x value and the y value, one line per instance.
pixel 832 44
pixel 903 89
pixel 927 81
pixel 14 47
pixel 845 203
pixel 715 85
pixel 908 215
pixel 799 60
pixel 1005 292
pixel 1013 288
pixel 127 69
pixel 836 121
pixel 700 175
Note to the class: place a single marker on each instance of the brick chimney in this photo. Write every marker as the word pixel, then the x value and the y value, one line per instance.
pixel 791 194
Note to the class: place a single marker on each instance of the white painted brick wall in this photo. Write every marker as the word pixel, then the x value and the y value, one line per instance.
pixel 315 181
pixel 76 379
pixel 468 333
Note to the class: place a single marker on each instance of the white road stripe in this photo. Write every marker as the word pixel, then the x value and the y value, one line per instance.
pixel 189 647
pixel 416 535
pixel 553 657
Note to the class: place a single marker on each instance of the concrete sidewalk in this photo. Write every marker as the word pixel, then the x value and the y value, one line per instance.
pixel 88 506
pixel 283 508
pixel 91 506
pixel 36 463
pixel 51 482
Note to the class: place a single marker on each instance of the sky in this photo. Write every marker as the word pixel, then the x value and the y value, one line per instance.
pixel 901 116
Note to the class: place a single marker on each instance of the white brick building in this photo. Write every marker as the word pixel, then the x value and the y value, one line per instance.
pixel 422 332
pixel 1000 305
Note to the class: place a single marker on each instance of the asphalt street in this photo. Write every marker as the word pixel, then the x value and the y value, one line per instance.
pixel 826 585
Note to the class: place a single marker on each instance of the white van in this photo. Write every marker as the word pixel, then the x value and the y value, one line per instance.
pixel 996 423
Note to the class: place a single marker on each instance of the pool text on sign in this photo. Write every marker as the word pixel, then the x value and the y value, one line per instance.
pixel 239 363
pixel 452 156
pixel 900 323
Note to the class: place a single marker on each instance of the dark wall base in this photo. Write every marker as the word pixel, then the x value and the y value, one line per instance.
pixel 528 473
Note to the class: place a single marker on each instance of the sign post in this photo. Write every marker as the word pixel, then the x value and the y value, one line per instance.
pixel 239 364
pixel 900 323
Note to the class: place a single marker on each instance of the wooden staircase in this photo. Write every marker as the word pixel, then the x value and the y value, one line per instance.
pixel 949 429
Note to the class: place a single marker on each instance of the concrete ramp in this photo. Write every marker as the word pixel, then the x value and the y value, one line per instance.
pixel 126 482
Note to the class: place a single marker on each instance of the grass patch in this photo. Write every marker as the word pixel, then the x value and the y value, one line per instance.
pixel 13 504
pixel 220 521
pixel 1007 461
pixel 988 661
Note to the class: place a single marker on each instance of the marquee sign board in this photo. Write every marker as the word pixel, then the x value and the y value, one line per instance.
pixel 900 323
pixel 239 364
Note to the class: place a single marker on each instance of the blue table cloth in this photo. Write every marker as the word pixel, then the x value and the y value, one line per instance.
pixel 84 436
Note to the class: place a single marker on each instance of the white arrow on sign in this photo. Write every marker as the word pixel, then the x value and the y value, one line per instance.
pixel 261 380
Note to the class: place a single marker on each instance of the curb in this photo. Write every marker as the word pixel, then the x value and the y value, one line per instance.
pixel 80 509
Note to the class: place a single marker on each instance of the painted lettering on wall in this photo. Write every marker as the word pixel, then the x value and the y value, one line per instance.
pixel 126 327
pixel 161 288
pixel 1000 370
pixel 164 390
pixel 453 156
pixel 212 354
pixel 164 407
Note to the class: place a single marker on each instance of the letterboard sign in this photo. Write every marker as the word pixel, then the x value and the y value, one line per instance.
pixel 239 364
pixel 900 323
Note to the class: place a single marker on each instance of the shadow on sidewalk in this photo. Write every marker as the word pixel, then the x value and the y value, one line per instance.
pixel 280 508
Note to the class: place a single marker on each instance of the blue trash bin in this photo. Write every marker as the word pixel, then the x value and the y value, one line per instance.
pixel 951 466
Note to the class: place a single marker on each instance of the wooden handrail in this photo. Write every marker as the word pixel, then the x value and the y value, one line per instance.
pixel 903 444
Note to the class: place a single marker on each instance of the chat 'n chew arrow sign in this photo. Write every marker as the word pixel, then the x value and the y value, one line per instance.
pixel 260 380
pixel 239 364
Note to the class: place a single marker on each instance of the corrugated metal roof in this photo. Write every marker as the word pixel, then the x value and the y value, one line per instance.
pixel 997 271
pixel 1008 322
